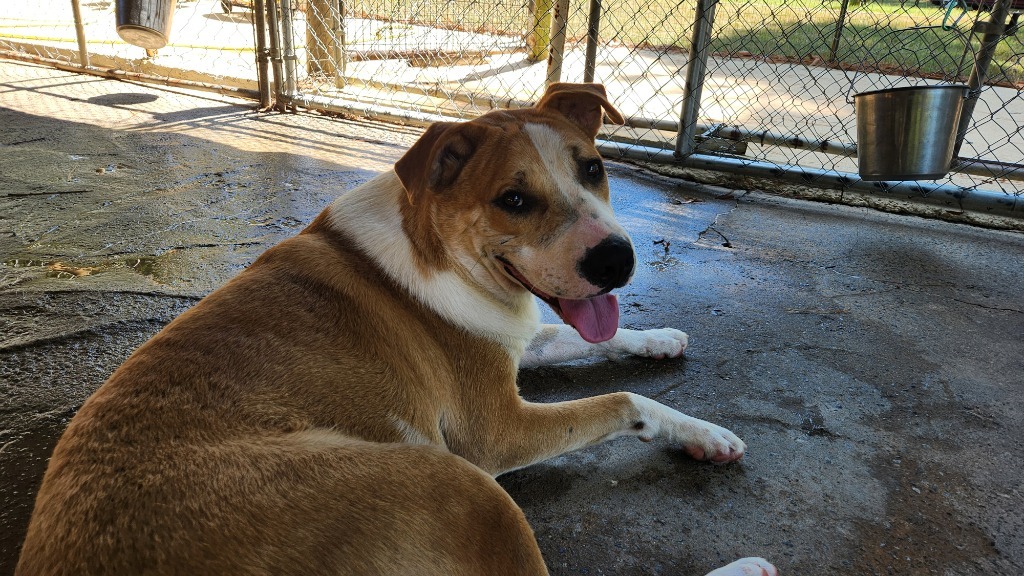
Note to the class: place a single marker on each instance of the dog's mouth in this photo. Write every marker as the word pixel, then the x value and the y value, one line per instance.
pixel 596 319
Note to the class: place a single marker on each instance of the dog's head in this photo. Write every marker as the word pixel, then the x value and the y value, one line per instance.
pixel 518 201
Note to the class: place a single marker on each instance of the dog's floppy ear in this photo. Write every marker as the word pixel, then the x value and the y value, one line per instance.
pixel 583 104
pixel 436 159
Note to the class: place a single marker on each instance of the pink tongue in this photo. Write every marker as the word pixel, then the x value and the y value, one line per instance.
pixel 596 319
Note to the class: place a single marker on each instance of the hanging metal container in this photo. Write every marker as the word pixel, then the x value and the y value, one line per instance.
pixel 145 23
pixel 908 133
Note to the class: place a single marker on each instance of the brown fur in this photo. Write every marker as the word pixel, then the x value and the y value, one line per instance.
pixel 228 442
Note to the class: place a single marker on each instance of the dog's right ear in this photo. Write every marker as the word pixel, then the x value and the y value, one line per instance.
pixel 582 104
pixel 436 159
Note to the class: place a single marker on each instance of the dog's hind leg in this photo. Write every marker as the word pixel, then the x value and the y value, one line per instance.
pixel 555 343
pixel 406 509
pixel 310 502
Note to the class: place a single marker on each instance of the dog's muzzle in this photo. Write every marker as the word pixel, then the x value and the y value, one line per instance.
pixel 608 265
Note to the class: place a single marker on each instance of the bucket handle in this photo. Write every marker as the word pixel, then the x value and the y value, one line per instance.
pixel 949 11
pixel 945 26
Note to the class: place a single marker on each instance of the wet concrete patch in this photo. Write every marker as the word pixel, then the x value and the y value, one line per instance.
pixel 921 528
pixel 123 99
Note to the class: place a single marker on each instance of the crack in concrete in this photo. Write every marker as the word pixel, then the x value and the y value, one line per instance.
pixel 711 227
pixel 969 303
pixel 46 193
pixel 218 245
pixel 192 297
pixel 20 142
pixel 912 289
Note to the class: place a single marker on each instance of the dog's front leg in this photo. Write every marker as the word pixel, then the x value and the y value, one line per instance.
pixel 518 434
pixel 555 343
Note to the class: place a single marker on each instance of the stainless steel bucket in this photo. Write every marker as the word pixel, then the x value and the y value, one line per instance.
pixel 145 23
pixel 907 133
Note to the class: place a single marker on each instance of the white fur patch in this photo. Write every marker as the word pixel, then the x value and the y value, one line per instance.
pixel 560 165
pixel 370 215
pixel 553 153
pixel 556 343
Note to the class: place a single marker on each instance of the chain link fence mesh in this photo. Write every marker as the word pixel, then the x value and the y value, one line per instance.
pixel 211 41
pixel 777 89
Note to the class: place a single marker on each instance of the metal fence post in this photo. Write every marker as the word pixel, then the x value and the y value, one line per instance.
pixel 288 47
pixel 274 27
pixel 993 34
pixel 593 24
pixel 696 68
pixel 340 54
pixel 558 25
pixel 262 54
pixel 83 52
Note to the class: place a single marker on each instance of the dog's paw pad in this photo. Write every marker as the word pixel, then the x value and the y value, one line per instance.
pixel 747 567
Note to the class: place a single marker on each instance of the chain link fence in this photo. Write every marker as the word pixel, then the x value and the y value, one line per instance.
pixel 211 43
pixel 749 87
pixel 774 80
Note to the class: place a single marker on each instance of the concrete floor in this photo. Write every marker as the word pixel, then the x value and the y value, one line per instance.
pixel 873 363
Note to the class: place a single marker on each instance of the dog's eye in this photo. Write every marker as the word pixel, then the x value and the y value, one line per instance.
pixel 593 170
pixel 513 201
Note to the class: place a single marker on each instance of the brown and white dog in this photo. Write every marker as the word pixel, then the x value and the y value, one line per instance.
pixel 343 405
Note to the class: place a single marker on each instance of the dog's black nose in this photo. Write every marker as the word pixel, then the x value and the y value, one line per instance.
pixel 609 264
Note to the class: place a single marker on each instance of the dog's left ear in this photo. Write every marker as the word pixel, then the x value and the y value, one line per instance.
pixel 435 161
pixel 583 104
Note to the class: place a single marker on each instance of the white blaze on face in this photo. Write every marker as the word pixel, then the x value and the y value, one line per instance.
pixel 555 266
pixel 556 158
pixel 561 167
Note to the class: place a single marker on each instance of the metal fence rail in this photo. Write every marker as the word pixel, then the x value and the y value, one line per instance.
pixel 754 87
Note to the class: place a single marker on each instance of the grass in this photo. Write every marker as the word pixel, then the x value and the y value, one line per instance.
pixel 878 35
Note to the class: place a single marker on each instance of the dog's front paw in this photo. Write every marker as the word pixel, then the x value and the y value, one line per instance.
pixel 659 343
pixel 709 442
pixel 700 439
